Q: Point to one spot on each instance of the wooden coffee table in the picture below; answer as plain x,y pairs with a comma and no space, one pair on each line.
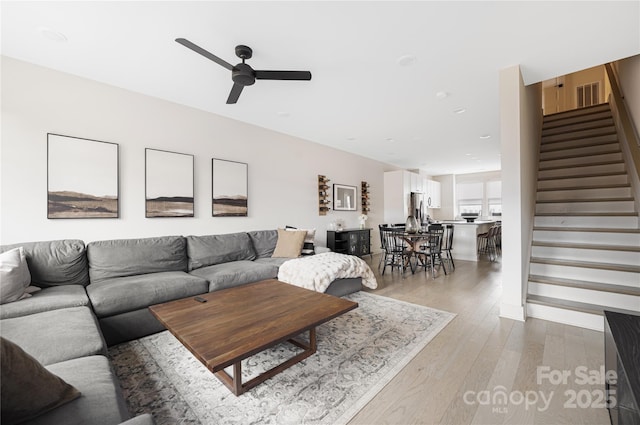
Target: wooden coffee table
236,323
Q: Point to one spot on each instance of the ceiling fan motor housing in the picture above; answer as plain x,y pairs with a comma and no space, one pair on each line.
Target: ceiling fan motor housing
243,74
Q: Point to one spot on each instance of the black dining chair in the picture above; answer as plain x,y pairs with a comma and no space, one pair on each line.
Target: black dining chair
431,253
447,245
396,254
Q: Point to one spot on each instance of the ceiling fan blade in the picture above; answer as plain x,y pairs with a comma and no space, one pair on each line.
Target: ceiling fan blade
283,75
186,43
235,93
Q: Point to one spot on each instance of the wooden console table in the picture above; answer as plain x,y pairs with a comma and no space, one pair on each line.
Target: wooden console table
350,241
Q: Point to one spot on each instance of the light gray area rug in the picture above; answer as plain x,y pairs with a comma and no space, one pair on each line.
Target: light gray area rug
358,354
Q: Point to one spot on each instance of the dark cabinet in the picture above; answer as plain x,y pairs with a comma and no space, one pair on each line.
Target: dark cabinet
350,241
622,356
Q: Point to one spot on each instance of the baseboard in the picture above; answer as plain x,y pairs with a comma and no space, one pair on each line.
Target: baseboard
514,312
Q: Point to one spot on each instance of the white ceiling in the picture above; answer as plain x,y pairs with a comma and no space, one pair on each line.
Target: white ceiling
359,99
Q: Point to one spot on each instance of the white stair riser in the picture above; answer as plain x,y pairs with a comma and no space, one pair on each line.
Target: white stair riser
579,182
576,119
613,277
585,125
579,171
609,299
581,160
577,135
598,238
607,222
578,254
568,317
588,141
581,150
586,207
560,195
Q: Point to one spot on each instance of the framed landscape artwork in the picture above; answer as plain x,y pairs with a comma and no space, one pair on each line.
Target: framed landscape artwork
82,178
229,188
344,197
168,184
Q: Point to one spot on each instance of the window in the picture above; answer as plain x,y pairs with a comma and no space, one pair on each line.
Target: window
483,198
494,198
588,95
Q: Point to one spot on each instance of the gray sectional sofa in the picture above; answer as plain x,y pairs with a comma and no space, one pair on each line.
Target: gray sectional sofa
98,295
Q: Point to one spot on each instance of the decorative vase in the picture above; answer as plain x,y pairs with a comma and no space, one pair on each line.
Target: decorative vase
411,226
362,224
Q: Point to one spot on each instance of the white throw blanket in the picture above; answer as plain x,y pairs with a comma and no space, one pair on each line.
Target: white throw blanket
316,272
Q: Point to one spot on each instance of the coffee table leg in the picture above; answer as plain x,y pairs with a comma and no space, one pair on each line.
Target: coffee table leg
235,383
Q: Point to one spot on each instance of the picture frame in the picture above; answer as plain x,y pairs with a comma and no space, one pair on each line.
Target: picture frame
344,197
229,188
169,182
82,178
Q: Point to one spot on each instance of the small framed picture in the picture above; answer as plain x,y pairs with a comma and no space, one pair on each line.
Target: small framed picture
344,197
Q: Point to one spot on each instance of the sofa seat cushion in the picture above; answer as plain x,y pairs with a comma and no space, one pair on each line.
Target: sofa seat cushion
264,242
100,402
275,261
56,335
51,263
236,273
124,294
52,298
209,250
129,257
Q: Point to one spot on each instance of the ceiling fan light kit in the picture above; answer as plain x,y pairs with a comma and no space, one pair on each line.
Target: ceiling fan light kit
242,74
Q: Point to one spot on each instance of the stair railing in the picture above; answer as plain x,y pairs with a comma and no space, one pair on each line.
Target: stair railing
626,132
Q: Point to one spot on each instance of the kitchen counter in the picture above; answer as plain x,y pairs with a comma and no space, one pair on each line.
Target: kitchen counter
465,237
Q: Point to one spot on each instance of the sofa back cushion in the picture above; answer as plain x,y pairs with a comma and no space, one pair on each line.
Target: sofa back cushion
54,263
208,250
128,257
264,242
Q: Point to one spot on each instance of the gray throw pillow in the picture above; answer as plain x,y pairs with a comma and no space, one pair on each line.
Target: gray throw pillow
14,275
27,389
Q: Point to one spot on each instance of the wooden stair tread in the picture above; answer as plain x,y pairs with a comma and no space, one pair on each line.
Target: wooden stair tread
582,134
574,305
587,264
587,144
575,112
584,155
587,229
577,119
593,186
579,245
590,164
583,125
594,286
564,201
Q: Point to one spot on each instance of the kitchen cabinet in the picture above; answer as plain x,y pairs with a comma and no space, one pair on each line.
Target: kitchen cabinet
432,192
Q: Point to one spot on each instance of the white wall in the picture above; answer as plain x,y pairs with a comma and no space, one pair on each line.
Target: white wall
520,126
282,169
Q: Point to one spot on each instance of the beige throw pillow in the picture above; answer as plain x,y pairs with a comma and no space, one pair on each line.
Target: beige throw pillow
289,243
14,275
28,389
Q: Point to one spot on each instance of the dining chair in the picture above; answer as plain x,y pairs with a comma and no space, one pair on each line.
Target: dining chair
447,245
431,254
396,254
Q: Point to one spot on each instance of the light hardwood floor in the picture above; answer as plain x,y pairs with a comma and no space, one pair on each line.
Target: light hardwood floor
480,356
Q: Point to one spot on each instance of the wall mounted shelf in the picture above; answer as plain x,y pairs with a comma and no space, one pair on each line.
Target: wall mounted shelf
323,194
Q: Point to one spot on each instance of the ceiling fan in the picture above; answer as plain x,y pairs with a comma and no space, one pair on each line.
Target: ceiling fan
242,74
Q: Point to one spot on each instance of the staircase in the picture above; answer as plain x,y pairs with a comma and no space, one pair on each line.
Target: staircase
585,254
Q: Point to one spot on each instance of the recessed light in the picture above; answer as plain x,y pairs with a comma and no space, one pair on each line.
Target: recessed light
485,136
442,94
459,111
390,139
52,35
283,114
351,139
406,60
